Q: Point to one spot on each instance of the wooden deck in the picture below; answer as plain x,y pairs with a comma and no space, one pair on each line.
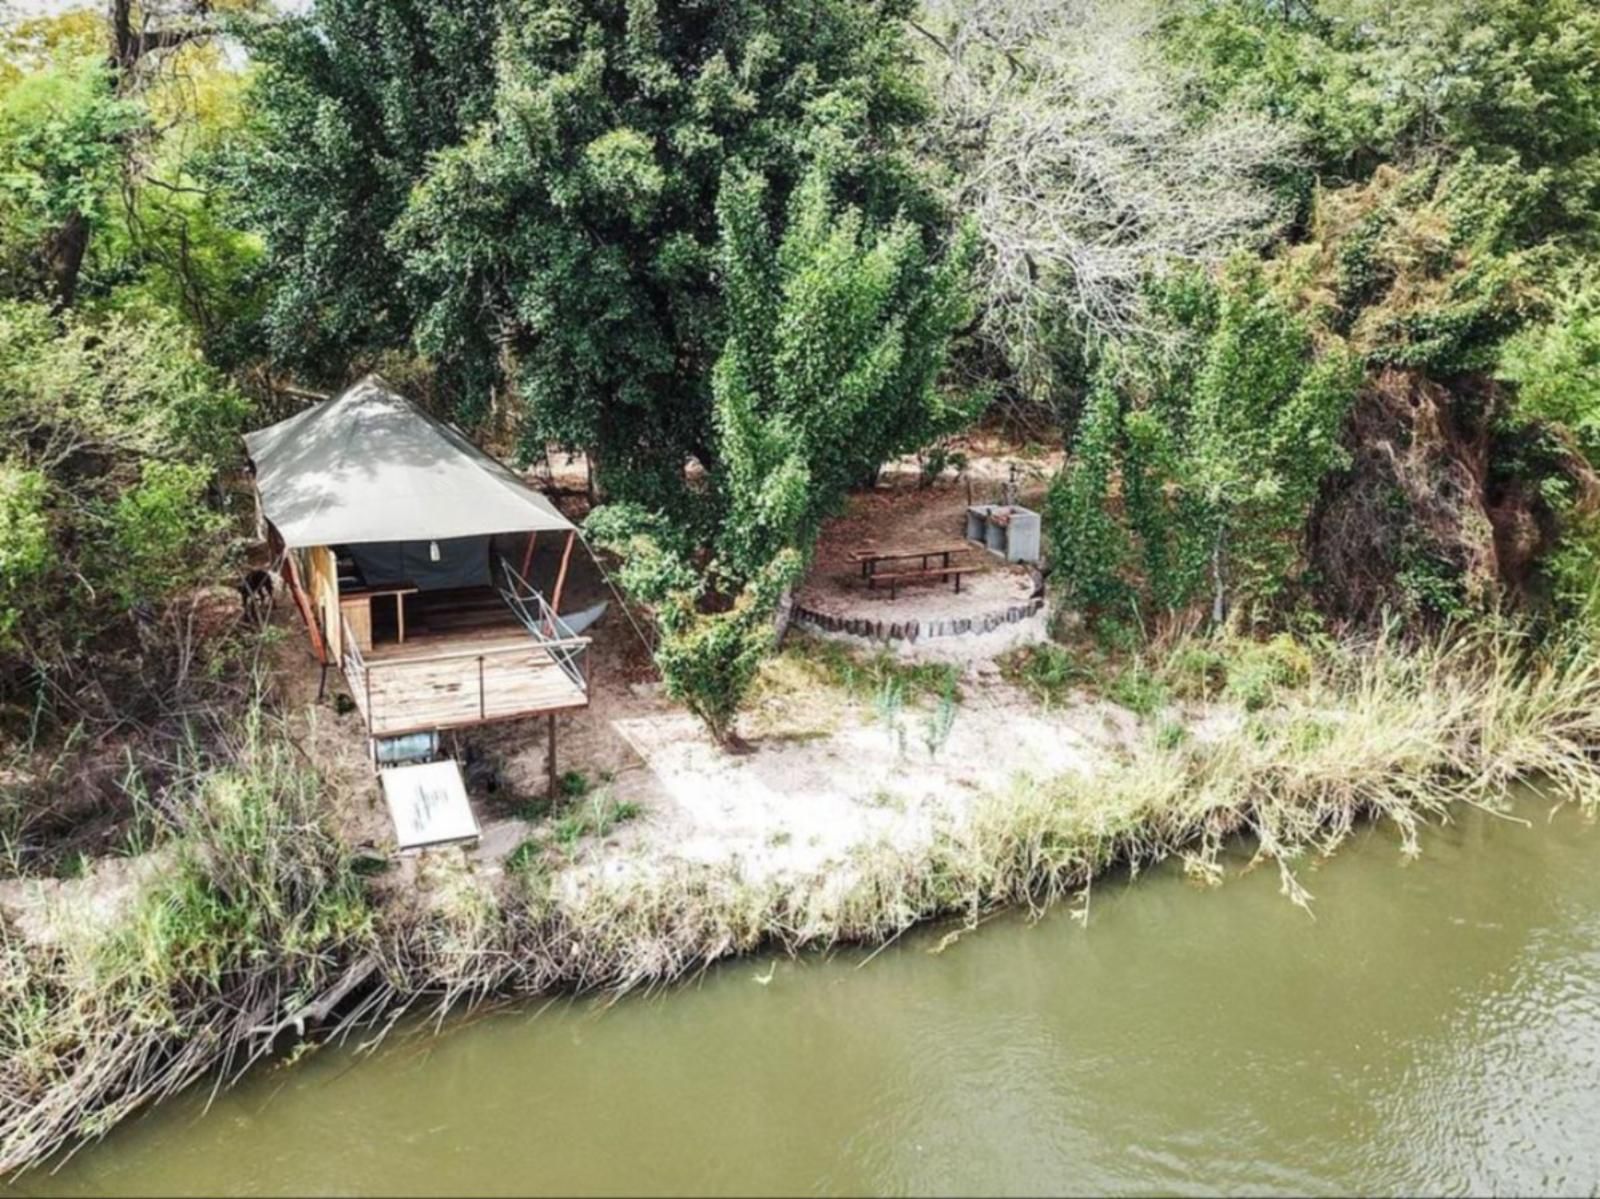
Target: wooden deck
464,677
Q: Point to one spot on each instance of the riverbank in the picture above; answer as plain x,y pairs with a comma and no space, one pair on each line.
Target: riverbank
270,923
1433,1031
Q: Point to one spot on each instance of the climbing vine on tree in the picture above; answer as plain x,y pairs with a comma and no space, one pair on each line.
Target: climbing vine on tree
837,331
1219,455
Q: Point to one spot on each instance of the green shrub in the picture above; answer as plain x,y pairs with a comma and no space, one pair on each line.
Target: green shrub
155,526
1138,688
112,433
1259,670
525,856
595,818
25,547
1047,670
1088,548
709,660
1197,669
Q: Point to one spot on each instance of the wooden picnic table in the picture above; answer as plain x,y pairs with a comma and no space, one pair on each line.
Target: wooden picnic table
870,558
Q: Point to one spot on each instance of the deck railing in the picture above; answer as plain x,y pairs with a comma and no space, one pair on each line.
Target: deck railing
355,666
543,623
480,689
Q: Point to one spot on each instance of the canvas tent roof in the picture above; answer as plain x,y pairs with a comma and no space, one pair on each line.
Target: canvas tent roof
369,465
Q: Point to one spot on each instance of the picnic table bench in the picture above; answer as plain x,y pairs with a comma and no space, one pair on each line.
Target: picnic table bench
870,560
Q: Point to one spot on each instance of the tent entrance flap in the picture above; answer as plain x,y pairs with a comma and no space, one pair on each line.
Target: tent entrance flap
442,565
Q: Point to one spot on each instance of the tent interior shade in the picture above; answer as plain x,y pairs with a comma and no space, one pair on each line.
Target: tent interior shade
370,466
453,562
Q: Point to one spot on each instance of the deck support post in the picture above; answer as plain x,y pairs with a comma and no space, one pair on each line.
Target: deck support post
550,757
527,554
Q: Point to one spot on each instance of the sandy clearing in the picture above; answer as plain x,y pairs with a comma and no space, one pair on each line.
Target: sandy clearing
796,805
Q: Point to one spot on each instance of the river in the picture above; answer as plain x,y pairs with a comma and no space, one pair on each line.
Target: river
1435,1027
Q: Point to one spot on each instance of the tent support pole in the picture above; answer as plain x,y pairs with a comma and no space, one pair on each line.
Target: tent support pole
527,555
300,601
561,576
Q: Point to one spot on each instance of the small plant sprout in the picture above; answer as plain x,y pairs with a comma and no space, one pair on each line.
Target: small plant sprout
889,703
524,856
937,724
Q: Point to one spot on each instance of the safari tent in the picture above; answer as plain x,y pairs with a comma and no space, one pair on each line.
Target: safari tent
406,549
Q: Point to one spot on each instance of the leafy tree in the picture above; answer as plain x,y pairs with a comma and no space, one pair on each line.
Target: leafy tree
73,120
99,204
1070,138
1422,269
346,107
1554,368
1262,431
169,247
1373,82
110,435
713,630
1089,547
1453,174
1221,452
61,135
836,336
527,193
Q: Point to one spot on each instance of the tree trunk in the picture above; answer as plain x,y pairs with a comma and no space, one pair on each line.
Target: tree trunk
64,259
782,614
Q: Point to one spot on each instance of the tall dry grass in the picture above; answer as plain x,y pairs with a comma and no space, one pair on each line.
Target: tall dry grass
256,911
1377,731
264,920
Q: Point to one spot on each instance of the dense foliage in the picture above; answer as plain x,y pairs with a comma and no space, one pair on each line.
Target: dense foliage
111,432
528,192
1306,291
114,429
1309,288
1221,450
836,337
1430,299
60,156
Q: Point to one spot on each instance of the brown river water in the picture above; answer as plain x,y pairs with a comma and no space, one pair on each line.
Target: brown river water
1435,1028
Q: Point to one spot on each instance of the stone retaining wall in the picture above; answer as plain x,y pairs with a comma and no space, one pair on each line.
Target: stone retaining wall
915,630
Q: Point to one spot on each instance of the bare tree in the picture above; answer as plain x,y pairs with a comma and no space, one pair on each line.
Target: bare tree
1072,148
142,32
